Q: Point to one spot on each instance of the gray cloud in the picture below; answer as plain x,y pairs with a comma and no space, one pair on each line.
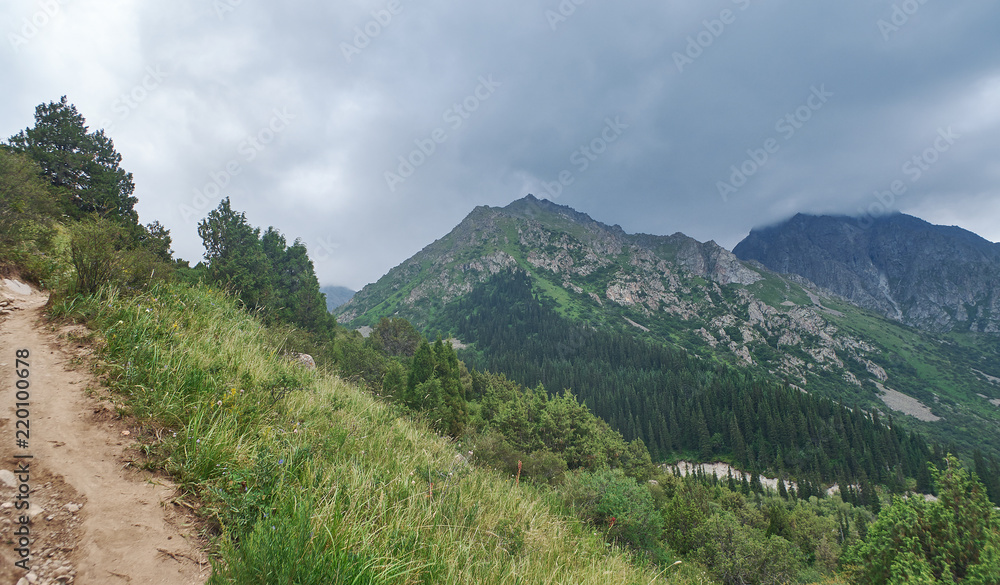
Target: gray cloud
314,102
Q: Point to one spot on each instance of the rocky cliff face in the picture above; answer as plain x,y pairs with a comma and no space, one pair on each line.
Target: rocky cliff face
662,283
698,296
932,277
581,253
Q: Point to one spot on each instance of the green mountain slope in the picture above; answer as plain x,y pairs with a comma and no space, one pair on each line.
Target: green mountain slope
697,296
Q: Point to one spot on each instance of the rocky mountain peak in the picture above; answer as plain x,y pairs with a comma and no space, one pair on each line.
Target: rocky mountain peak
933,277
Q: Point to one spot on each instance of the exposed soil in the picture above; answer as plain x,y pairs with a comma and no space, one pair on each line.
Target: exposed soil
95,517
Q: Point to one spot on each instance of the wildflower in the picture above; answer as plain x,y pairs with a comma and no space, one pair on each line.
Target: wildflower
281,461
197,441
219,403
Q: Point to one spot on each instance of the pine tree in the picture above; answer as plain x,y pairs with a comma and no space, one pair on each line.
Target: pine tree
453,413
421,370
235,256
82,165
297,298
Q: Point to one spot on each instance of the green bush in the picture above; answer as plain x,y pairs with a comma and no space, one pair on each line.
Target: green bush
616,503
105,253
27,211
740,555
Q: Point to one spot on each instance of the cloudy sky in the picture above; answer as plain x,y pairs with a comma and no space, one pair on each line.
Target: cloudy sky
370,128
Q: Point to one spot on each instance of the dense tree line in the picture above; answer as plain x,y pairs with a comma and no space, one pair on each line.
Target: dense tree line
263,270
679,404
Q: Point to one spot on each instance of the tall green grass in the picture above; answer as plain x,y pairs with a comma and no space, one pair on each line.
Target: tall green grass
310,480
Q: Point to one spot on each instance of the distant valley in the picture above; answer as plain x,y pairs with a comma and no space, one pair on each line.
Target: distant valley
336,296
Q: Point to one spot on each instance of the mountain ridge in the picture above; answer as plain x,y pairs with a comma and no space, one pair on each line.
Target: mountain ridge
937,278
704,299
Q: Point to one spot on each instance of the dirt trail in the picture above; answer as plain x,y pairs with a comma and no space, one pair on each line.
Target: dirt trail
95,518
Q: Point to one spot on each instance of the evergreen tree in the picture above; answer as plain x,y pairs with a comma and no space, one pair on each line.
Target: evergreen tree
82,165
156,238
396,336
952,540
421,370
235,256
394,381
297,298
453,413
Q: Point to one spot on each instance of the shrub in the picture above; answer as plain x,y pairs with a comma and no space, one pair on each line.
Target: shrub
740,555
104,253
612,501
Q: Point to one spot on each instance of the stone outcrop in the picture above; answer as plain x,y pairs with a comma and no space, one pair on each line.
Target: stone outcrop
932,277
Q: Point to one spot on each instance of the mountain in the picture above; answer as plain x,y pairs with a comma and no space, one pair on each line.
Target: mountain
928,276
336,296
676,292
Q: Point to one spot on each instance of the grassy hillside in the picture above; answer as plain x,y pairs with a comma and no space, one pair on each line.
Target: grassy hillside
308,479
